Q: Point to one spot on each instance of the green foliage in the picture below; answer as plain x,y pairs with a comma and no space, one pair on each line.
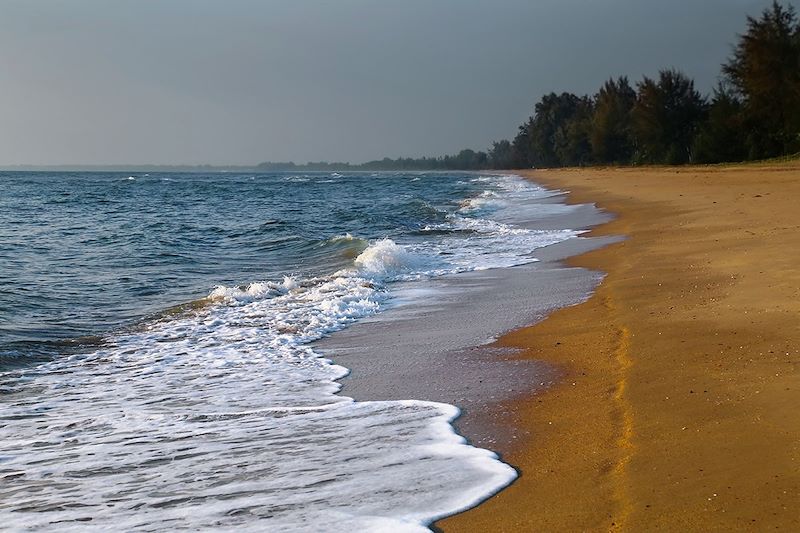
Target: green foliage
754,115
722,136
501,155
611,133
467,159
765,70
571,141
666,118
521,153
558,132
464,160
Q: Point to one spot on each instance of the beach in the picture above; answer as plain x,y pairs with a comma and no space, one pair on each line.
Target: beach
366,382
676,407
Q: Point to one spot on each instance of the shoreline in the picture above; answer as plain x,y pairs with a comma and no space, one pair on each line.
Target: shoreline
449,326
449,353
678,406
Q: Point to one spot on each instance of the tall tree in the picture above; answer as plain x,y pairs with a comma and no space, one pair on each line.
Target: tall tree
666,118
501,155
467,160
765,69
611,135
521,147
721,136
571,140
555,136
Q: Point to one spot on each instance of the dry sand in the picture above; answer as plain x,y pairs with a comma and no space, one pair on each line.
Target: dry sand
681,404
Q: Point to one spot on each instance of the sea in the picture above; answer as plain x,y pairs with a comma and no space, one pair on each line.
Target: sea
157,366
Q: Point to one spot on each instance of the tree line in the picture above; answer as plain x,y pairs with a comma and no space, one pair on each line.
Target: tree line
752,114
464,160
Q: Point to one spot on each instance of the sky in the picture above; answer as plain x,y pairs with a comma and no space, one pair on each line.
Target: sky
244,81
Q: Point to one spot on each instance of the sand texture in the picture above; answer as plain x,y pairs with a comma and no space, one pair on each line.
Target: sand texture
680,409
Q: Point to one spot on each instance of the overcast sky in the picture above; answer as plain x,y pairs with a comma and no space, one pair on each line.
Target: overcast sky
244,81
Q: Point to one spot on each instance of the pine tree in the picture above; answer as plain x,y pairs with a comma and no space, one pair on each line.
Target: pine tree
722,136
611,134
765,70
666,117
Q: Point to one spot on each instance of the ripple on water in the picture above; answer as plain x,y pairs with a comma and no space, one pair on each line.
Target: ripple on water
216,414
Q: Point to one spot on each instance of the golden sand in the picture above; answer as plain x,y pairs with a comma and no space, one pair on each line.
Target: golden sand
680,410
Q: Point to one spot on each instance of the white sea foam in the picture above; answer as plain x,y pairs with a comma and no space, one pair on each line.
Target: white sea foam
345,237
224,418
253,291
297,179
489,243
488,200
387,259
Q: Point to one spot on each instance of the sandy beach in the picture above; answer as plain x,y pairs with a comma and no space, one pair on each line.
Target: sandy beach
678,409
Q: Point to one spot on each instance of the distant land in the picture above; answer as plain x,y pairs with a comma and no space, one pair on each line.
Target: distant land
465,159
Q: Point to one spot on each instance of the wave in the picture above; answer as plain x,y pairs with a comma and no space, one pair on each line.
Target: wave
343,247
297,179
223,416
487,201
387,259
16,355
253,291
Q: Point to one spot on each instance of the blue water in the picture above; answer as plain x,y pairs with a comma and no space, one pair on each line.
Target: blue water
155,371
84,253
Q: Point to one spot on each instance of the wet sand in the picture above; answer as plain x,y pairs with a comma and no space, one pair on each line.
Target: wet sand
435,343
678,404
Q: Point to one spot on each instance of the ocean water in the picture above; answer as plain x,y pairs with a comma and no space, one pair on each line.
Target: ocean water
155,367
